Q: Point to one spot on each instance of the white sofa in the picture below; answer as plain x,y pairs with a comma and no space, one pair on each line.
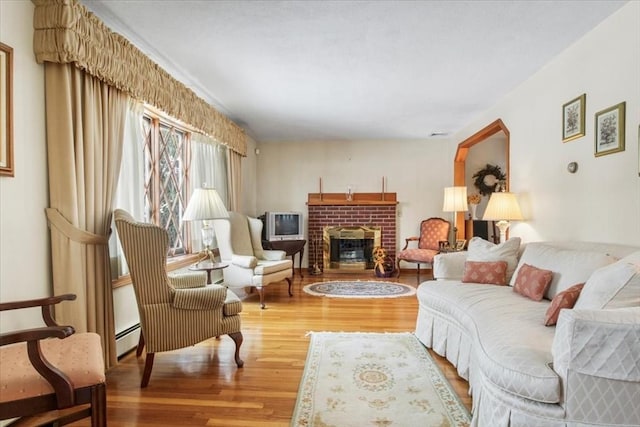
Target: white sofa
584,371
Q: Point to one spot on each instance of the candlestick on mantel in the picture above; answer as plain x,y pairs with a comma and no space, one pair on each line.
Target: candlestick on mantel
383,188
320,188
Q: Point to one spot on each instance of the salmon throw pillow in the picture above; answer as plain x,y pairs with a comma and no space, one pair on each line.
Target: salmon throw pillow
488,273
565,299
532,282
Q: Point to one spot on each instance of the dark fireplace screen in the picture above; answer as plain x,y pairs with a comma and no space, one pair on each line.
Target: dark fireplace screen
350,248
355,251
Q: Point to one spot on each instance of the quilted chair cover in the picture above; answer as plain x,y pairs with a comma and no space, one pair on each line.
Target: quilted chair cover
240,245
432,231
175,312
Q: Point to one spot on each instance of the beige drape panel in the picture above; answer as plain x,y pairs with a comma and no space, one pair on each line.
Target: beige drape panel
85,130
234,173
66,32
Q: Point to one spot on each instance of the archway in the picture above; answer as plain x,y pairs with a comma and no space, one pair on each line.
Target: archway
459,164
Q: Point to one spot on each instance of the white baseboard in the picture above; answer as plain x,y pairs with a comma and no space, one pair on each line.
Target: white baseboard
127,340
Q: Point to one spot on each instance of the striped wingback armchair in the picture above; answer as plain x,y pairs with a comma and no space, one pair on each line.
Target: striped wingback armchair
432,231
175,312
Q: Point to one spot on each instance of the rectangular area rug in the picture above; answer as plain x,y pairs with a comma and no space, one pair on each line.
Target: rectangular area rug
374,379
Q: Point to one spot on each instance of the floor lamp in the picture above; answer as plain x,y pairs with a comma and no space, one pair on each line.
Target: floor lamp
205,205
502,207
455,200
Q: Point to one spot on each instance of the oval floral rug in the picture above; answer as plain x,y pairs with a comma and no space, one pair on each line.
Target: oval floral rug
359,289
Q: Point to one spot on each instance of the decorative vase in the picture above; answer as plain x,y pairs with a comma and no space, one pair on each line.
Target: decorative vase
473,211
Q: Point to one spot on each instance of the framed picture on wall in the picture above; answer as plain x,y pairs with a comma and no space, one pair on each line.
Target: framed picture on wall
573,118
609,137
6,121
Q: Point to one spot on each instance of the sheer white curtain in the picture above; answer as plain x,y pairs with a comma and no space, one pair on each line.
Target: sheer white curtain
130,189
208,169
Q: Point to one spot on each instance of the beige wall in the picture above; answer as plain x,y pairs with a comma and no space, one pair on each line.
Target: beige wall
416,170
601,202
24,242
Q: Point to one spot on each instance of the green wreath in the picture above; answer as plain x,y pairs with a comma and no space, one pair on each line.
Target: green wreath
486,179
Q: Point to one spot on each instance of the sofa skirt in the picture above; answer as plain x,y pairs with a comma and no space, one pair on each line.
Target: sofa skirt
446,337
491,405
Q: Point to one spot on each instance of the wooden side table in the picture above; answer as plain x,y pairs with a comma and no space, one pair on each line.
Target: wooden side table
291,247
208,266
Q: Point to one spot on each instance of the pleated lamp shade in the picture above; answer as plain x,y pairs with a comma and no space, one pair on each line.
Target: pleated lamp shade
205,204
455,199
502,206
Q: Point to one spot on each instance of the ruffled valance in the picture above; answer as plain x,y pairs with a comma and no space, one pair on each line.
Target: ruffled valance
66,32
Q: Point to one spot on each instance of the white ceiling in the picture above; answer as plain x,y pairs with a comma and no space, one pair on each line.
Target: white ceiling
342,70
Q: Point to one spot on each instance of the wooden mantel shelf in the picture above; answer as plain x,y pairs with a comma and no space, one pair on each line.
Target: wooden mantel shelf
357,199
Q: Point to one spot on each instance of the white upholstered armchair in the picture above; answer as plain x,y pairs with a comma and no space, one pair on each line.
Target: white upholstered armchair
240,245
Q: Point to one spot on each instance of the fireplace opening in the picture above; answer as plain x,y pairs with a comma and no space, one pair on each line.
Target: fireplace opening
350,248
351,251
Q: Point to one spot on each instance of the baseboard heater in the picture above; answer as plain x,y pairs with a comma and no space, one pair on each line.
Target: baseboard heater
127,340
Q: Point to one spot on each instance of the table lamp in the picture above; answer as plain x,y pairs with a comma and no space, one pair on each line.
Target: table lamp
502,207
455,200
205,204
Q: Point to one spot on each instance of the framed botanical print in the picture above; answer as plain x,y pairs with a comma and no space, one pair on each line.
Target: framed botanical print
573,118
610,127
6,111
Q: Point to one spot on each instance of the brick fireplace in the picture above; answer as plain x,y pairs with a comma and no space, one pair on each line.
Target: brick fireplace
367,210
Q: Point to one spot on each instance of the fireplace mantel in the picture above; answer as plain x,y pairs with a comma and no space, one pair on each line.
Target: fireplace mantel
357,199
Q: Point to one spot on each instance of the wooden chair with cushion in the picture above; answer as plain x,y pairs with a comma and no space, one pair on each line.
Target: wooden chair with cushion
175,312
432,231
51,375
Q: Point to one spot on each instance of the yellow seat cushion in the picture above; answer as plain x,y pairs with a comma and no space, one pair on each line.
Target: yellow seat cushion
78,356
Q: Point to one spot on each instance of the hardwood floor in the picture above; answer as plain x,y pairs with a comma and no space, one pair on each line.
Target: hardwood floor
201,385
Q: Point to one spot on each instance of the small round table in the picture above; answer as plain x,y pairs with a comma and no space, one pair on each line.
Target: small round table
208,266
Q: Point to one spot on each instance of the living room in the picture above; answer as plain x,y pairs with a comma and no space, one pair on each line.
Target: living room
600,202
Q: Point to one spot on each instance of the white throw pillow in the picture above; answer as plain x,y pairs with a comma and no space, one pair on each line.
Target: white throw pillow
569,267
483,250
614,286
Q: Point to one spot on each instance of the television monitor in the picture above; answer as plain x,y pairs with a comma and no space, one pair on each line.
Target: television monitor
283,226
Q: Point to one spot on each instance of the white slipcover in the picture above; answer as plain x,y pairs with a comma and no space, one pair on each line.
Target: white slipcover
522,373
240,245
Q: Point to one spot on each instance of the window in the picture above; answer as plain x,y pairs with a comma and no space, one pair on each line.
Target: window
166,190
162,162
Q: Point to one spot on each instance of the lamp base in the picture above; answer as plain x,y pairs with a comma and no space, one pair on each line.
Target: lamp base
206,254
503,226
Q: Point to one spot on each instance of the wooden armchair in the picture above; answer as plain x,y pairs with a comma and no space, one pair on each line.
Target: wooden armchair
51,369
432,231
175,312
